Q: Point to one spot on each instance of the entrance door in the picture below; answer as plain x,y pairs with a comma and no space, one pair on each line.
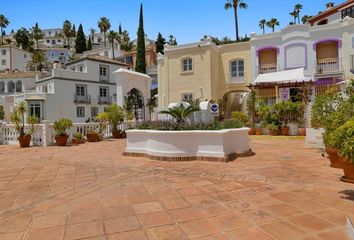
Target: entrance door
35,109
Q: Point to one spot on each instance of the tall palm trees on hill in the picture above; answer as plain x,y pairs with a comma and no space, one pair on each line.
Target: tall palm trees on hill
4,22
235,5
297,9
36,34
262,25
112,36
272,23
104,25
67,30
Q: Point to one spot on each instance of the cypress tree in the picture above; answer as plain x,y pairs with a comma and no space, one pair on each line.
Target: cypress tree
160,42
120,29
80,42
89,44
140,65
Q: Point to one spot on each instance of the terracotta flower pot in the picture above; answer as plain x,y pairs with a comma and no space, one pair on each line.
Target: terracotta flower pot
284,131
334,157
77,141
99,137
252,131
25,141
123,135
258,131
301,131
273,132
348,169
92,137
61,140
116,133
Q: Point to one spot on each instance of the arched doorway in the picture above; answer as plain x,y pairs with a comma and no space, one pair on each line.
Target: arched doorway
135,104
234,101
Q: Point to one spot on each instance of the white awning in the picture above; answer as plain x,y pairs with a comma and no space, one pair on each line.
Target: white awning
288,76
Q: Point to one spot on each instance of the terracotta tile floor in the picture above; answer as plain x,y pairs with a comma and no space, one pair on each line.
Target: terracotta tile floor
285,191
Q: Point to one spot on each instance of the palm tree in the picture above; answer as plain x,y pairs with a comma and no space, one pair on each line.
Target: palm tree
104,25
272,23
298,8
180,113
67,31
92,33
36,34
18,117
112,36
235,4
4,22
294,14
39,61
262,25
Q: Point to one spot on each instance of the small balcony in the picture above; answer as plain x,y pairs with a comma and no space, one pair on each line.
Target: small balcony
104,78
328,66
267,68
104,100
82,99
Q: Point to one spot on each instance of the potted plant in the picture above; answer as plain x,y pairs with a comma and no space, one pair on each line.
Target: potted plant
91,136
123,134
301,130
240,117
115,117
78,138
18,118
60,128
252,110
273,129
102,119
345,138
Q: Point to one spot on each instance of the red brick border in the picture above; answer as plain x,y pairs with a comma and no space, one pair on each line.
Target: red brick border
228,158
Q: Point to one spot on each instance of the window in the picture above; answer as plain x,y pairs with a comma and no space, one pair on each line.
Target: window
103,71
59,41
3,52
3,62
237,69
348,12
103,91
323,22
53,41
18,86
106,54
81,68
81,90
187,65
34,109
94,112
2,87
129,59
48,41
11,87
187,97
80,112
25,55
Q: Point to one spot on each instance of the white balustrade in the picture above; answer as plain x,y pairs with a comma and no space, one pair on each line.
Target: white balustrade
44,134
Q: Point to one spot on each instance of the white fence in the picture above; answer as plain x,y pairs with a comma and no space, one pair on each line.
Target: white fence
44,134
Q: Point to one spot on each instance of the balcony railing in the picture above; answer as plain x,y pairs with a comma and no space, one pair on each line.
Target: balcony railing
104,100
104,78
267,68
328,65
82,99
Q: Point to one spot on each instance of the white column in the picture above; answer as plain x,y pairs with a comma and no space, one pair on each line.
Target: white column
46,133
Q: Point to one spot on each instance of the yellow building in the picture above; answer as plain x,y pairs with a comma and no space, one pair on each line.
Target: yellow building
205,71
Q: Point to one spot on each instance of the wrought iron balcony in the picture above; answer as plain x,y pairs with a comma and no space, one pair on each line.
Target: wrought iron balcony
328,65
104,100
82,99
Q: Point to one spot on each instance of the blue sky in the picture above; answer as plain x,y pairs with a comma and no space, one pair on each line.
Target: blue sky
188,20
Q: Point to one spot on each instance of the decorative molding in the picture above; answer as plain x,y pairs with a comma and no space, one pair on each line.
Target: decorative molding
285,55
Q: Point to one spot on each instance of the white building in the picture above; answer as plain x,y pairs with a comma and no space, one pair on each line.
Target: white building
13,58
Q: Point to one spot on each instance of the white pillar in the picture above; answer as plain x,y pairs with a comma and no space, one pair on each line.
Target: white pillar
46,134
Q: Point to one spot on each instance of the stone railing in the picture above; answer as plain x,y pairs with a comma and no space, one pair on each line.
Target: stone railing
44,134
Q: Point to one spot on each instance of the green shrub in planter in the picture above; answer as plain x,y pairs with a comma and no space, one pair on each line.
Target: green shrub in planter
61,126
345,139
240,116
115,115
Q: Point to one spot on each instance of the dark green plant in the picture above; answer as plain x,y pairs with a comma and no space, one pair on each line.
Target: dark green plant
235,5
104,25
89,44
180,113
140,65
78,135
102,118
22,38
251,107
112,36
4,22
61,126
2,113
160,42
345,138
18,117
240,116
80,42
36,34
67,31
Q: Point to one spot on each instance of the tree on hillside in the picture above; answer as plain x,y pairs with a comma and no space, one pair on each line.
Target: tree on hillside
4,22
272,23
80,42
73,31
160,42
172,40
217,41
294,14
89,44
104,25
39,61
140,65
298,8
112,36
67,31
124,41
92,34
235,5
262,24
36,34
305,19
120,31
22,37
